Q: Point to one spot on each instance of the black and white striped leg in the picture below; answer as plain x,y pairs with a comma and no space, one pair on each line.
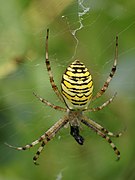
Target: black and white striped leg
39,151
43,139
113,70
49,135
49,104
103,135
103,105
54,86
104,130
28,146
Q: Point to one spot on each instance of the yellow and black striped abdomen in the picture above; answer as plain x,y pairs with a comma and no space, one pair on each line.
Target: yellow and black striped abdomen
77,86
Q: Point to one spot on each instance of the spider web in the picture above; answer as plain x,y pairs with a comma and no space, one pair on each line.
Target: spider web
24,119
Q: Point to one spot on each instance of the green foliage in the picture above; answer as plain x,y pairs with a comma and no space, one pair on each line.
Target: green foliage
23,27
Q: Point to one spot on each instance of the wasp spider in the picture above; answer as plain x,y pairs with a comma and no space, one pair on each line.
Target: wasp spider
76,94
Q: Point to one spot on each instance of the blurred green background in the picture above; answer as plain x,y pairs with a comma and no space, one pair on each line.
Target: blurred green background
23,118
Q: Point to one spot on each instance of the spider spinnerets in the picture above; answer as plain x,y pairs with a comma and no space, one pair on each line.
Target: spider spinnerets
76,94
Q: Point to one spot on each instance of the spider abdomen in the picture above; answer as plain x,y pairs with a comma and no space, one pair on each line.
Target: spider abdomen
77,86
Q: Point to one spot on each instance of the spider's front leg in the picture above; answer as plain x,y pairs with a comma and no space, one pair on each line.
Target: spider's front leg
109,78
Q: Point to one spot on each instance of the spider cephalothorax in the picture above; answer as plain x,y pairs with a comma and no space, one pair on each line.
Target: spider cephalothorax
76,94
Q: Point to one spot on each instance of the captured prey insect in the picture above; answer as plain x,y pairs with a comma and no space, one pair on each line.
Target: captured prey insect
76,94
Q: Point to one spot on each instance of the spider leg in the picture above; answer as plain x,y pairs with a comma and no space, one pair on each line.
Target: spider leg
49,104
104,130
36,156
103,105
49,135
113,70
87,122
54,86
28,146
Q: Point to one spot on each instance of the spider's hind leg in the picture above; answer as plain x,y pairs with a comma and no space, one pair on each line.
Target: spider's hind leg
103,134
75,133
